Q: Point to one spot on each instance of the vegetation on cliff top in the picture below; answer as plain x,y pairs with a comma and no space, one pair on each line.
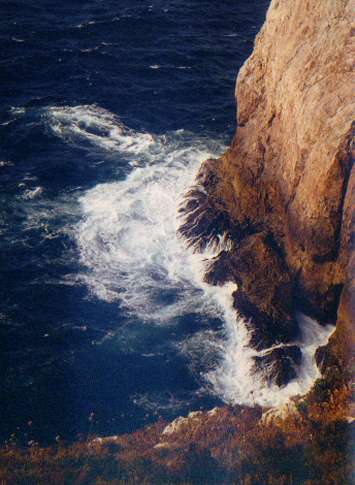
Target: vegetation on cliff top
309,445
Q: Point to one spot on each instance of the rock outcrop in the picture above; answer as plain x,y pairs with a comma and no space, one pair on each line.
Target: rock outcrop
281,198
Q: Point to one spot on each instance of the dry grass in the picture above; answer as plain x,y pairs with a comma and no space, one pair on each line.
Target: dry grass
230,445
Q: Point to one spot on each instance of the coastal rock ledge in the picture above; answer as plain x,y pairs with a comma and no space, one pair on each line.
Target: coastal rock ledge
283,193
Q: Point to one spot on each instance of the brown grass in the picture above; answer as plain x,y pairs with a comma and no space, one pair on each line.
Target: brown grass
231,446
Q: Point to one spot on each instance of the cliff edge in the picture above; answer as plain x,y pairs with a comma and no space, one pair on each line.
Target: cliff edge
283,194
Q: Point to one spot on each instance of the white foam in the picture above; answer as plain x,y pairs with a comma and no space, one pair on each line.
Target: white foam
128,243
86,24
17,111
33,194
128,236
99,127
234,380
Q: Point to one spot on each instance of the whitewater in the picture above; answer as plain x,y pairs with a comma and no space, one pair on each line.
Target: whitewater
131,253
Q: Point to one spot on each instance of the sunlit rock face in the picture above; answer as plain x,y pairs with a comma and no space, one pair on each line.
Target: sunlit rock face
279,201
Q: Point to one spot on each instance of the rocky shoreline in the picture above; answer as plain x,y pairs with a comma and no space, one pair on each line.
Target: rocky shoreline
281,198
279,207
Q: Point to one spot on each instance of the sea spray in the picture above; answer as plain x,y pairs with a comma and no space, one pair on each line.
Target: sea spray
79,125
128,241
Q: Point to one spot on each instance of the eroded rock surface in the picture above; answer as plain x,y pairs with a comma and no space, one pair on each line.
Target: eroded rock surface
282,195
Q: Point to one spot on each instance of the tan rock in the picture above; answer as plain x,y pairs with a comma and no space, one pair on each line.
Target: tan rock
175,426
289,155
286,177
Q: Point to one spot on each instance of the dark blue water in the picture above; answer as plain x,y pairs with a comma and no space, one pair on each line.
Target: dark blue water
71,72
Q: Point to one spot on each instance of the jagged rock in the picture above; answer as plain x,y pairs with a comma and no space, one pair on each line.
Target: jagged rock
324,359
264,330
279,365
203,220
203,213
178,423
265,293
214,412
284,192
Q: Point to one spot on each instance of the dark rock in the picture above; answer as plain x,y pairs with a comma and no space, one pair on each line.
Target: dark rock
203,219
264,330
280,365
325,359
321,307
219,270
284,192
265,297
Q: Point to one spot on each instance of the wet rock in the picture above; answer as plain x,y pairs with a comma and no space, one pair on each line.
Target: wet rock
202,219
324,359
283,194
204,216
220,269
280,365
265,331
265,294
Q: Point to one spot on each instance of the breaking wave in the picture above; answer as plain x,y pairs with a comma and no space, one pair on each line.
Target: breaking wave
90,123
129,246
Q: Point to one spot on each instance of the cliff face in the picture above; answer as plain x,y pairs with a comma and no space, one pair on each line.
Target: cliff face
283,192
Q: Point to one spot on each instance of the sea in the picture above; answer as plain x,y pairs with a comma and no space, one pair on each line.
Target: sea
107,109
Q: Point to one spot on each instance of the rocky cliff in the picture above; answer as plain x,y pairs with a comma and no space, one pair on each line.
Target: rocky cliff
283,194
280,203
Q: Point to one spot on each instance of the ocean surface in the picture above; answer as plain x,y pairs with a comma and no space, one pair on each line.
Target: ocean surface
107,110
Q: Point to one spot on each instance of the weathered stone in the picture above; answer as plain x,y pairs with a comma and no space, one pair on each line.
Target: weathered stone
283,192
288,166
